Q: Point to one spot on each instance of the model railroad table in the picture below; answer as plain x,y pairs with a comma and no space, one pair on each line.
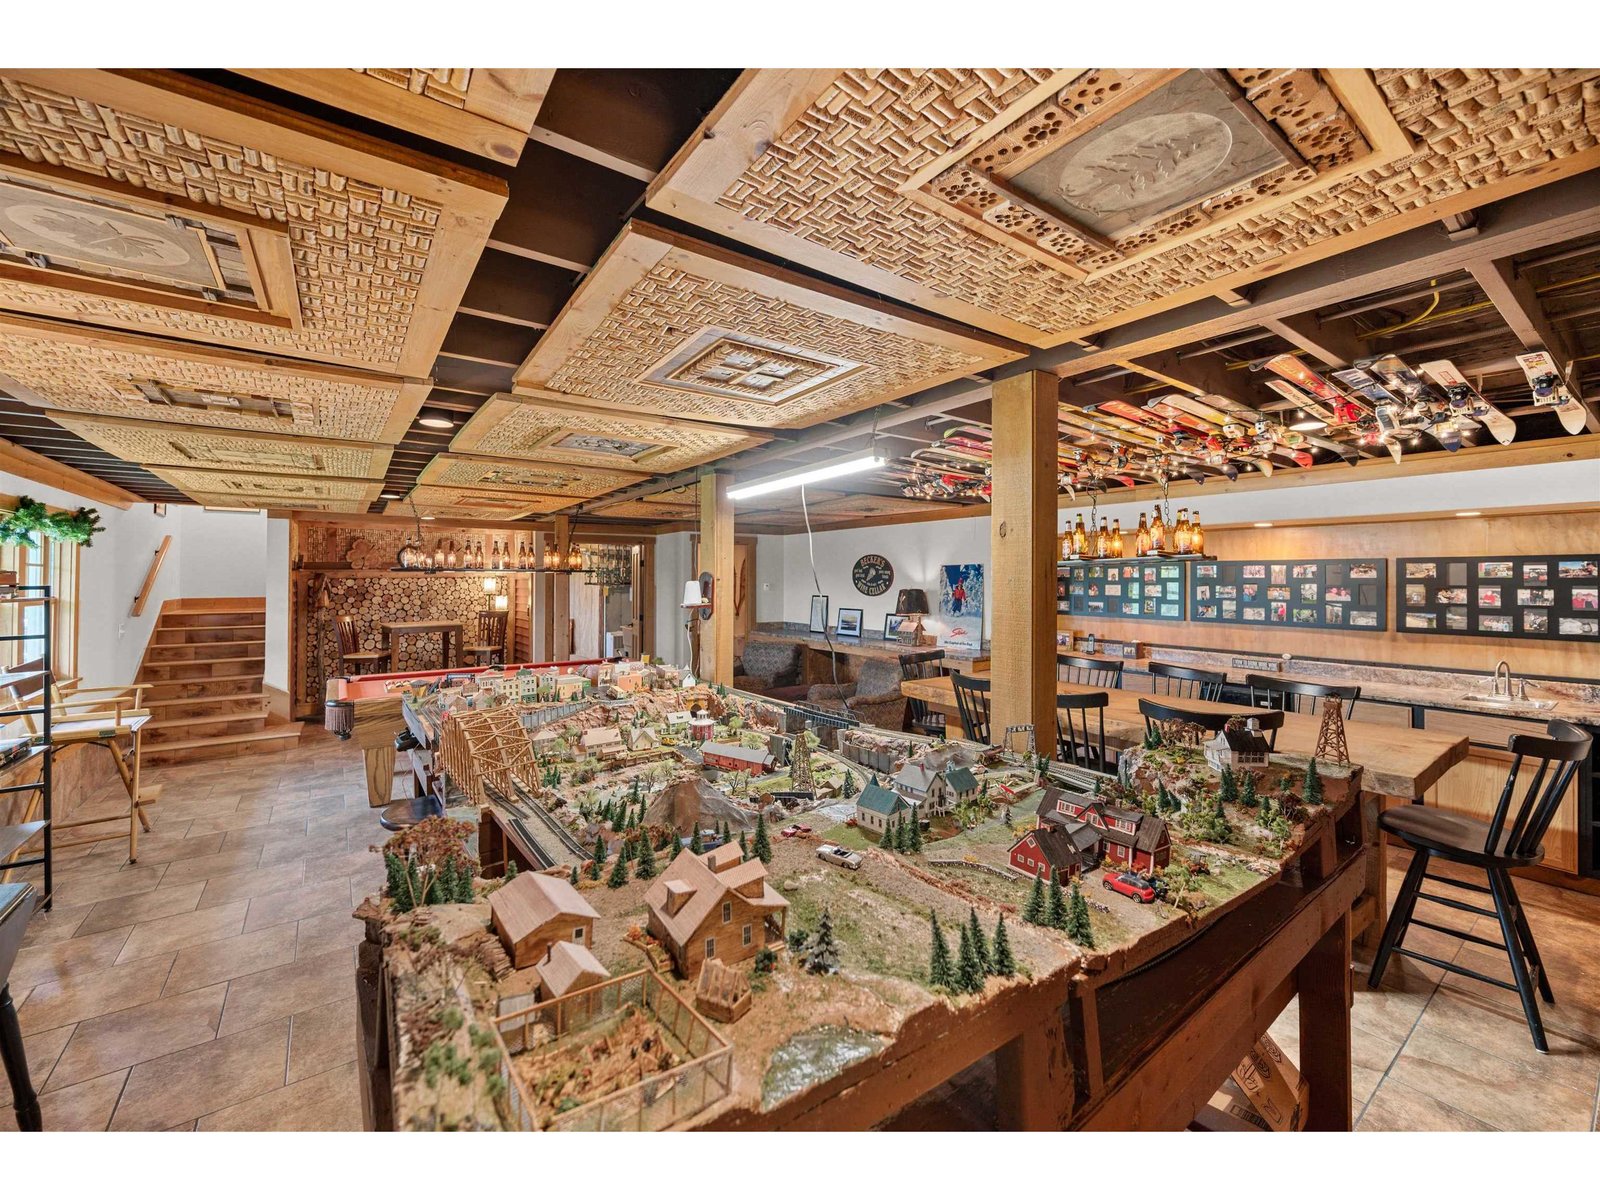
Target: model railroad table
449,635
1397,765
369,709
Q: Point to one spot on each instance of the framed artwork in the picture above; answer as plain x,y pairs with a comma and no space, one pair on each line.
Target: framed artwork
873,575
1131,591
892,624
819,614
1318,593
1547,596
961,591
849,623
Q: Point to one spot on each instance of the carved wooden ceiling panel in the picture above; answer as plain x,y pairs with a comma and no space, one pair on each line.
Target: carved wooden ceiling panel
488,111
524,427
501,475
269,490
438,500
325,244
679,504
151,443
1047,204
668,325
121,375
295,504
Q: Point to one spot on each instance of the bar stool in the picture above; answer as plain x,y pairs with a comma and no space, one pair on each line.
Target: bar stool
1494,849
490,645
1299,695
1091,672
353,660
1075,743
972,703
1190,683
924,664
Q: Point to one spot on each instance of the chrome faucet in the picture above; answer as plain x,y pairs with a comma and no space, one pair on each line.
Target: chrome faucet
1498,667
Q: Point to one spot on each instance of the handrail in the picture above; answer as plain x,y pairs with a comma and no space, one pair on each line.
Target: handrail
143,597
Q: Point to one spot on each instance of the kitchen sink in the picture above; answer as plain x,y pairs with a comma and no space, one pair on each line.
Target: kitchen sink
1504,701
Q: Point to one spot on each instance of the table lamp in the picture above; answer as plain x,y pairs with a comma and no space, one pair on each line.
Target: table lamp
912,602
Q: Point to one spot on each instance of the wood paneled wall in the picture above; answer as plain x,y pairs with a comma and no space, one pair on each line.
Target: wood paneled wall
1555,534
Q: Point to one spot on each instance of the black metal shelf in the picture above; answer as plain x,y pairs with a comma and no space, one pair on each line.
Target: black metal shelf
45,823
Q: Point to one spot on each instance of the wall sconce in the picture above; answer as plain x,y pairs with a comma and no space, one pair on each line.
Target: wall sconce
502,602
491,585
697,595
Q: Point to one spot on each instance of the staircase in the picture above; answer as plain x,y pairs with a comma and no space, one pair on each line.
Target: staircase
202,673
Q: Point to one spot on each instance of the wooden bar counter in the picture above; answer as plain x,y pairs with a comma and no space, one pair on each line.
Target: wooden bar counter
820,654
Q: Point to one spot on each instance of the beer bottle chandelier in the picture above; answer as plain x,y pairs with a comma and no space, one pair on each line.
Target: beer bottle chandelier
1161,537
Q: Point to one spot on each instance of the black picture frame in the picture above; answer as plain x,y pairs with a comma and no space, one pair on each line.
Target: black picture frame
1147,590
1543,597
1347,594
891,625
819,605
853,616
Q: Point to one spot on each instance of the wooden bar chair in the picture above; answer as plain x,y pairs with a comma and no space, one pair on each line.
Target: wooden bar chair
489,648
353,660
1076,742
1494,848
923,664
1189,683
1091,672
972,704
1299,695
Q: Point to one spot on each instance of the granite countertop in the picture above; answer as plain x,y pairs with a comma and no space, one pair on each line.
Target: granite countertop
1406,685
869,644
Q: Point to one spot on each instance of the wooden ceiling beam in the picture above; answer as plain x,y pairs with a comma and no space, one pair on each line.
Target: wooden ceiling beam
1330,344
567,224
18,460
1514,298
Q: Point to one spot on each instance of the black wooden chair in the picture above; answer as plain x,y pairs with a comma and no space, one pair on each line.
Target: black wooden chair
1189,683
1299,695
1269,720
972,703
1091,672
1076,742
353,660
923,664
1494,848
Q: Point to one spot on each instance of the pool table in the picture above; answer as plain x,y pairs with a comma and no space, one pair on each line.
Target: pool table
362,707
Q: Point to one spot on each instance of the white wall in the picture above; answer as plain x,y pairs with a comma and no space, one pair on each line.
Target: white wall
275,587
224,553
673,569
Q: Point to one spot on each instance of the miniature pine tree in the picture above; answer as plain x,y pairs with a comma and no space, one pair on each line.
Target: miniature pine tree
902,834
941,973
822,955
1055,913
1311,793
1165,800
1004,964
395,871
599,857
1152,738
914,838
645,860
1077,926
762,847
436,892
1033,911
1247,793
744,847
969,970
573,878
511,870
696,846
619,873
617,822
633,820
848,788
980,944
1228,788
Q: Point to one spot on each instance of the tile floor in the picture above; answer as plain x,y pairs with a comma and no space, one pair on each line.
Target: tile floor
212,986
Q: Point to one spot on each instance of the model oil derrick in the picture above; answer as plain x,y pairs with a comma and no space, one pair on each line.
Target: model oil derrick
1331,745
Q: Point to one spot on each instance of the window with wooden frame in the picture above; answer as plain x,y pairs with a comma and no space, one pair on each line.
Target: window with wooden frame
56,563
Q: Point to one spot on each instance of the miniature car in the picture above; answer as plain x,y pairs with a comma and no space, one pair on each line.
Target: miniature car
794,830
839,856
1125,884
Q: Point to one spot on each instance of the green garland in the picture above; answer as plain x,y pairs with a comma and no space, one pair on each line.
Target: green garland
32,517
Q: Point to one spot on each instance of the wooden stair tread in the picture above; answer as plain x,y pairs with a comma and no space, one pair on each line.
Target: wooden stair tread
260,641
271,733
163,701
213,612
15,837
208,719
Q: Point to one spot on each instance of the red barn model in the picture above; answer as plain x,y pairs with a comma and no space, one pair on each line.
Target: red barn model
1130,837
731,756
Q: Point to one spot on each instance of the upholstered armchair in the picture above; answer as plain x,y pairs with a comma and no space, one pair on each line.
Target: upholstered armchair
873,699
765,667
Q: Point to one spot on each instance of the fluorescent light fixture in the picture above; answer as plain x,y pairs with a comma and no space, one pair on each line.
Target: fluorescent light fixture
427,518
1309,425
793,479
1470,513
388,495
1263,524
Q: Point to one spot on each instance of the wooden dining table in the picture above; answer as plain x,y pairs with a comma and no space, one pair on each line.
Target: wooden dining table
450,634
1398,765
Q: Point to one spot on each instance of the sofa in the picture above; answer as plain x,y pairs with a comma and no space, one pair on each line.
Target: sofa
770,669
873,699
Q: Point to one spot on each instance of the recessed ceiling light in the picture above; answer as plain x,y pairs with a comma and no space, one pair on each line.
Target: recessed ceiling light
388,495
1470,513
435,421
1309,425
428,518
1263,524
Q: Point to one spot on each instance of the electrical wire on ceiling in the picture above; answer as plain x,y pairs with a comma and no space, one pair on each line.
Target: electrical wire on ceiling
816,581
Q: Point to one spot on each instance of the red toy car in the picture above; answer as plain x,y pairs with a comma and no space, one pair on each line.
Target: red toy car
1139,888
793,830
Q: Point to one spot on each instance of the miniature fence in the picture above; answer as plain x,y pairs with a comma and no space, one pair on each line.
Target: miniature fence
655,1102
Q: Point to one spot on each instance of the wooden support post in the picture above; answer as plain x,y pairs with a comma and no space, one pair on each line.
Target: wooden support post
1033,1079
716,556
1022,556
561,596
1323,981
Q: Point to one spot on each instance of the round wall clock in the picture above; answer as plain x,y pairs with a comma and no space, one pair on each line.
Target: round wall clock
872,575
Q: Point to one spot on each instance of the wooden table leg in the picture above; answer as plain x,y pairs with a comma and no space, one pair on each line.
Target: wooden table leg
1323,982
1033,1079
1374,902
380,774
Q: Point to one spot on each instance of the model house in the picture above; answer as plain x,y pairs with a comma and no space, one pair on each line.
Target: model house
935,783
1060,851
1129,837
534,911
877,806
734,756
714,905
568,967
1239,745
640,738
701,727
603,742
